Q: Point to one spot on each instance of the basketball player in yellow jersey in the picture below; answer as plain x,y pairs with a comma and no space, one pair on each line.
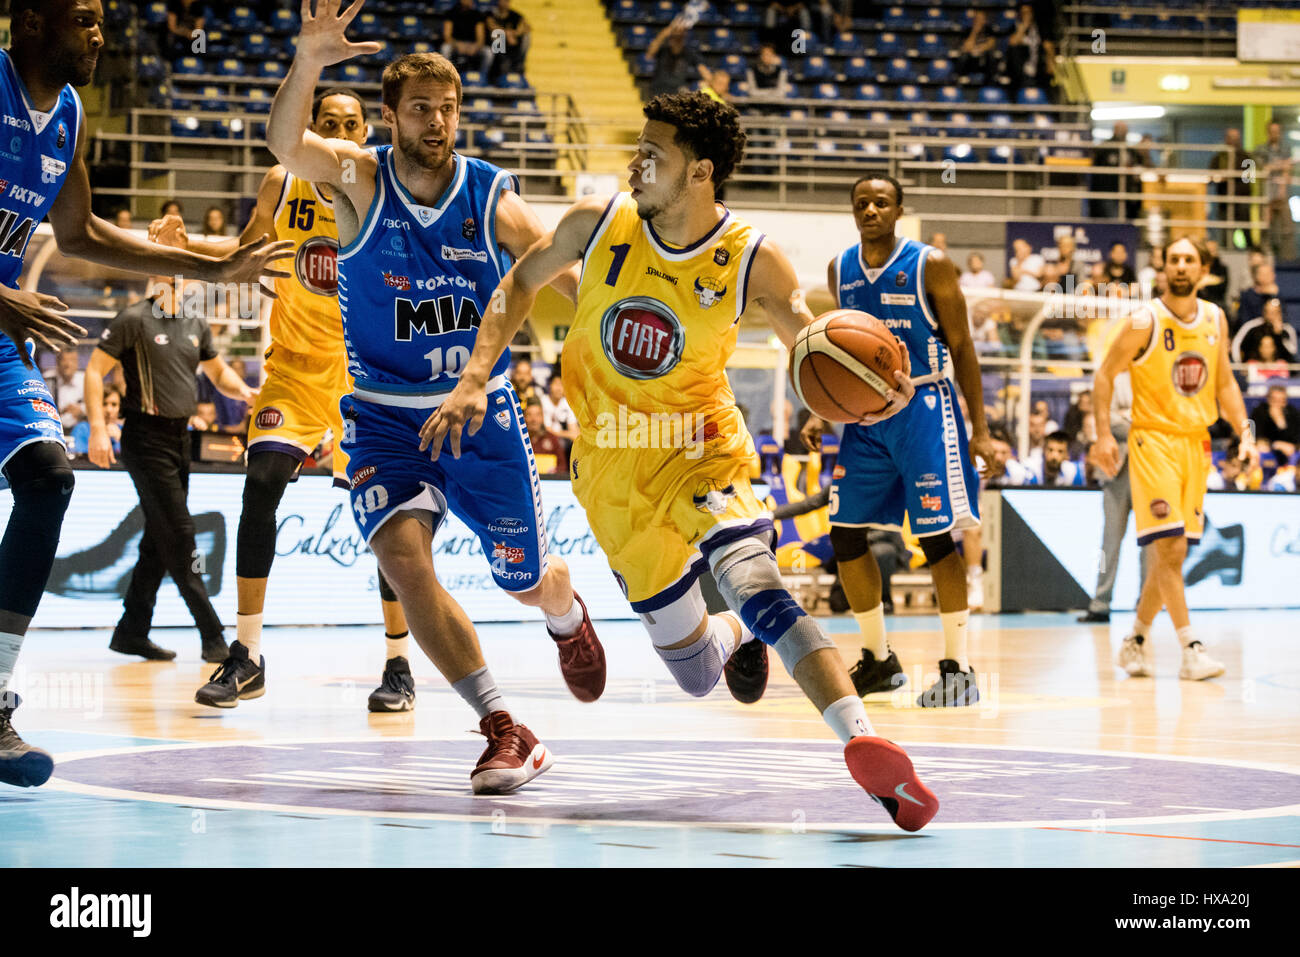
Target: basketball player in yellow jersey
1176,353
662,462
306,375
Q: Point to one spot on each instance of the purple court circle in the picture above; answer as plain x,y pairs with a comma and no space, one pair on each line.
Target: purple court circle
744,783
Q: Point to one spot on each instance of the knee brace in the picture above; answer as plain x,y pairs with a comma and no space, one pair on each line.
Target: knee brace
750,581
42,484
386,592
848,543
696,667
937,547
268,474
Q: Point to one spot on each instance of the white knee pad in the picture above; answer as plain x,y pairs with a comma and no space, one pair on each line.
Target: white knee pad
673,622
696,667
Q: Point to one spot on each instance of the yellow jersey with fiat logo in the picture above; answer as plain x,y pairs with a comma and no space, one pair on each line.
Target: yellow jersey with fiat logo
1175,379
305,318
654,329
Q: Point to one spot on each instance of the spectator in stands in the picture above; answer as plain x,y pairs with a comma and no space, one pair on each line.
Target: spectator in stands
767,76
1264,288
67,385
1074,419
939,241
509,34
1052,279
171,207
204,418
1277,424
718,86
1005,470
1214,283
1055,468
122,219
1040,426
978,54
1229,182
1118,269
183,18
521,377
1068,263
1267,364
548,448
976,275
1234,475
556,412
1274,159
826,20
1025,62
1245,345
1025,270
1113,155
676,65
1093,284
464,38
214,223
780,21
80,437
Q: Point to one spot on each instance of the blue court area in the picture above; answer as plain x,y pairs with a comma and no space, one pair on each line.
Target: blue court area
1065,763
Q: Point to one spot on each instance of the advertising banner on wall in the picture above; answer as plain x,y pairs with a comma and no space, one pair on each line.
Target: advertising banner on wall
1249,556
323,572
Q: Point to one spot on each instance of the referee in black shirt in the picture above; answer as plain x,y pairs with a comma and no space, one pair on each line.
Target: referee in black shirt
159,353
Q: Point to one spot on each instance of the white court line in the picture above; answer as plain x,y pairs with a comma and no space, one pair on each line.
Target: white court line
369,754
1194,807
1087,801
987,794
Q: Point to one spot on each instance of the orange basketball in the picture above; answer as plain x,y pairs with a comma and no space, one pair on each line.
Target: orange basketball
842,363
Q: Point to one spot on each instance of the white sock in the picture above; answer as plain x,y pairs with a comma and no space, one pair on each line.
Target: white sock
847,718
248,632
1185,636
9,646
1141,628
745,634
954,625
974,573
397,646
566,624
872,625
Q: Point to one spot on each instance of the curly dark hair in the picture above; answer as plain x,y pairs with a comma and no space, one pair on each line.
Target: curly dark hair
704,127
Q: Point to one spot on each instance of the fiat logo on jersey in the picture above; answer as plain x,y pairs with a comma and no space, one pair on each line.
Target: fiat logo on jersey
317,265
642,337
1190,372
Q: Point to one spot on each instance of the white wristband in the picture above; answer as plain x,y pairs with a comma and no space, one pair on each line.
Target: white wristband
1248,432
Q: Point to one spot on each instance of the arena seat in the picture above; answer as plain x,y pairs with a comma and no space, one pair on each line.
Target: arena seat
859,68
284,21
272,68
230,67
889,45
813,68
1031,96
154,14
992,95
931,45
412,28
189,66
939,71
950,94
909,93
900,70
243,19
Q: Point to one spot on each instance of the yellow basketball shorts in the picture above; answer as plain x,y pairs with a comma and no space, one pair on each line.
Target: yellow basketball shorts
298,404
658,520
1167,472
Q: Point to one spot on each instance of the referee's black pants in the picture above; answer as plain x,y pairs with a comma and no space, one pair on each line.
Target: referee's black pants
156,453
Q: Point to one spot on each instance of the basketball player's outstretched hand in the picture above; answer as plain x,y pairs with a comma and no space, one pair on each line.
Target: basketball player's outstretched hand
169,231
251,261
323,38
1105,454
896,400
34,315
465,405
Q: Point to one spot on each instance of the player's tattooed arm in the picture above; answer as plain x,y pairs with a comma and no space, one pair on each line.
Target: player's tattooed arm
1231,405
506,311
944,293
1126,347
518,227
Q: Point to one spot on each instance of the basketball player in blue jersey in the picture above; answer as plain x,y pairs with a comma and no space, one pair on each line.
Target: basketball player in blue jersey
425,235
917,462
55,46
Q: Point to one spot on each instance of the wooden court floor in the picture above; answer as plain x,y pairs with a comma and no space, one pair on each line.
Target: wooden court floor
1065,762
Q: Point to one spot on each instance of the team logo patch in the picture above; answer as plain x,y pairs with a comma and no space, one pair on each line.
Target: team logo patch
709,291
44,408
901,279
707,432
1160,508
931,503
456,254
398,243
1190,373
270,418
721,256
931,402
622,583
642,337
838,472
16,144
469,230
503,419
508,553
4,185
316,265
711,497
364,475
400,283
62,139
161,339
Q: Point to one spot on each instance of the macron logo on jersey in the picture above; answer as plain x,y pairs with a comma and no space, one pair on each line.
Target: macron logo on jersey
434,316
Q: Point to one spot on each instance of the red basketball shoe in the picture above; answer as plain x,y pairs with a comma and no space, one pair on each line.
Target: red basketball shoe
885,772
582,659
513,756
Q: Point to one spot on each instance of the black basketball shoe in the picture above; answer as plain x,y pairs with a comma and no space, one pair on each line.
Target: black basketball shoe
237,678
954,689
20,764
870,675
746,671
396,691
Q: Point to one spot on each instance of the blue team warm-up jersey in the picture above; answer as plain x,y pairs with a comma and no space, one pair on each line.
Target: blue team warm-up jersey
36,151
413,288
917,462
414,284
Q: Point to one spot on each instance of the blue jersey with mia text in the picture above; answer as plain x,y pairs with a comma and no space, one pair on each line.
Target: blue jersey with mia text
895,294
416,282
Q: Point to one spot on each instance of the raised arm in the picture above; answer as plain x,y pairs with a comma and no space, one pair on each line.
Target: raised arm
944,293
341,164
510,304
518,227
